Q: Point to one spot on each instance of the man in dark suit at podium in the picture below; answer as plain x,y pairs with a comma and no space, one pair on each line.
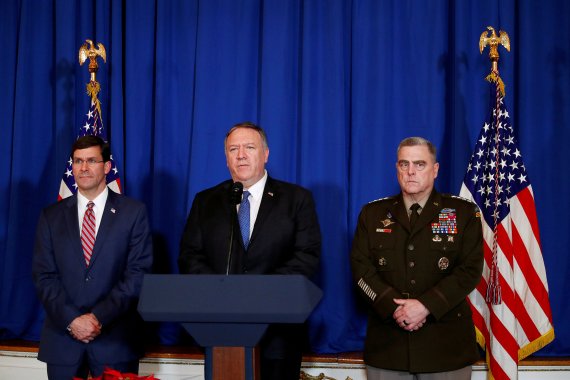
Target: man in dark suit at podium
275,231
91,253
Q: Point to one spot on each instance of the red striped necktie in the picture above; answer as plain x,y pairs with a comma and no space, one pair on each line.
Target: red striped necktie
88,232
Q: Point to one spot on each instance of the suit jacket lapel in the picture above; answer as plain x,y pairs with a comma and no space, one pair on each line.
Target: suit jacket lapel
268,201
72,222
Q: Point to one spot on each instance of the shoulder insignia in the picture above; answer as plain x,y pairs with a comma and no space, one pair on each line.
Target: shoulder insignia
459,198
382,199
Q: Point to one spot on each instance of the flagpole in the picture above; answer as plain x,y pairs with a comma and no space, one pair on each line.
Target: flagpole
510,306
494,293
87,50
494,41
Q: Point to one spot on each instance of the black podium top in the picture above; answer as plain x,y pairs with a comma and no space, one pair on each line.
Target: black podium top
228,299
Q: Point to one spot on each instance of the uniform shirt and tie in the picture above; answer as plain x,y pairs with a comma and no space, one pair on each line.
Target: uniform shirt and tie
410,205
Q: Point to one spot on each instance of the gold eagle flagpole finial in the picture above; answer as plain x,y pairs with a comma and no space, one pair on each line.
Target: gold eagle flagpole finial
87,50
493,41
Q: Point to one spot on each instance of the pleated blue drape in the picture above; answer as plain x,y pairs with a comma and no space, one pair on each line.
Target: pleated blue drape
336,84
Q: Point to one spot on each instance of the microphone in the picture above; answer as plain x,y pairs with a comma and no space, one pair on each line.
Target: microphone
236,192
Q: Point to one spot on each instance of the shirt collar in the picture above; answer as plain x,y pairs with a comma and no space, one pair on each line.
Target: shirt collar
256,190
422,202
99,201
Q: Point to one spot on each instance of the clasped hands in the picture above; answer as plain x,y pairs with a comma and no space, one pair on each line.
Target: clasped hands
410,314
85,328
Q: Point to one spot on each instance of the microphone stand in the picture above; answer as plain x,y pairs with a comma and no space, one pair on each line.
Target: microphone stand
233,223
236,192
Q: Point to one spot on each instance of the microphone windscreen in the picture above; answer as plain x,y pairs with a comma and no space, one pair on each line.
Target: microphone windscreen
236,192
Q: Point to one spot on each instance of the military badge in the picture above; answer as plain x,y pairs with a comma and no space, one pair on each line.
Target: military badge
436,238
387,222
450,239
385,230
443,263
447,222
382,261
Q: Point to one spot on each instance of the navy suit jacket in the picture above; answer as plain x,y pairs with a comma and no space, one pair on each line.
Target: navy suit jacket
109,287
286,237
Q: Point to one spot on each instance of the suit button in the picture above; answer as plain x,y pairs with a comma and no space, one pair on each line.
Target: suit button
411,247
412,264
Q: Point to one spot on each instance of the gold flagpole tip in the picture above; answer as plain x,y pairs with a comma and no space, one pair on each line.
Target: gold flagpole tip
87,50
493,41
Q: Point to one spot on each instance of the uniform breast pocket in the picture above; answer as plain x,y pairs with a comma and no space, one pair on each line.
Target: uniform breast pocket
443,254
383,252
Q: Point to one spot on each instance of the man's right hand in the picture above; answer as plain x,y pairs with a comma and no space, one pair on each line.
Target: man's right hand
85,328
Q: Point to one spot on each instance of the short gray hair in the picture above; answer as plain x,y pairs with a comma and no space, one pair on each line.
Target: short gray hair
416,141
248,125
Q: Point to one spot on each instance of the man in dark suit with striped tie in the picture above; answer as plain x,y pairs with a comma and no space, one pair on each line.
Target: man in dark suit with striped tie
91,252
275,232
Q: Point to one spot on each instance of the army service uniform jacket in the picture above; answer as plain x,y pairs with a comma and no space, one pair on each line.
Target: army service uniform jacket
439,263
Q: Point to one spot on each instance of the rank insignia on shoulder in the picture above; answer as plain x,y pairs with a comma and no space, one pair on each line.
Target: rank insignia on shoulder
460,198
380,199
478,214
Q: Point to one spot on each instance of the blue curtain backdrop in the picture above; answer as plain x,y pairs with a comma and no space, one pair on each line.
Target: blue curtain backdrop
336,84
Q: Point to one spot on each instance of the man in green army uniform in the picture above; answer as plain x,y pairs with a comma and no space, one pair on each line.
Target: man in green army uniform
415,258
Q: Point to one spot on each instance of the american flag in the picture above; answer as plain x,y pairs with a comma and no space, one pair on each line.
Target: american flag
511,310
92,125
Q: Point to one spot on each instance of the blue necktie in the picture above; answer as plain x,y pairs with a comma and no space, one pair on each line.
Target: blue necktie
243,218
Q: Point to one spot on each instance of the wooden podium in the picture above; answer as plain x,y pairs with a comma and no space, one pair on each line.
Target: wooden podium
228,314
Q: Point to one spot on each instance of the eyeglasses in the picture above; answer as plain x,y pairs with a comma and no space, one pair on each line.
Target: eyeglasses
90,162
418,165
